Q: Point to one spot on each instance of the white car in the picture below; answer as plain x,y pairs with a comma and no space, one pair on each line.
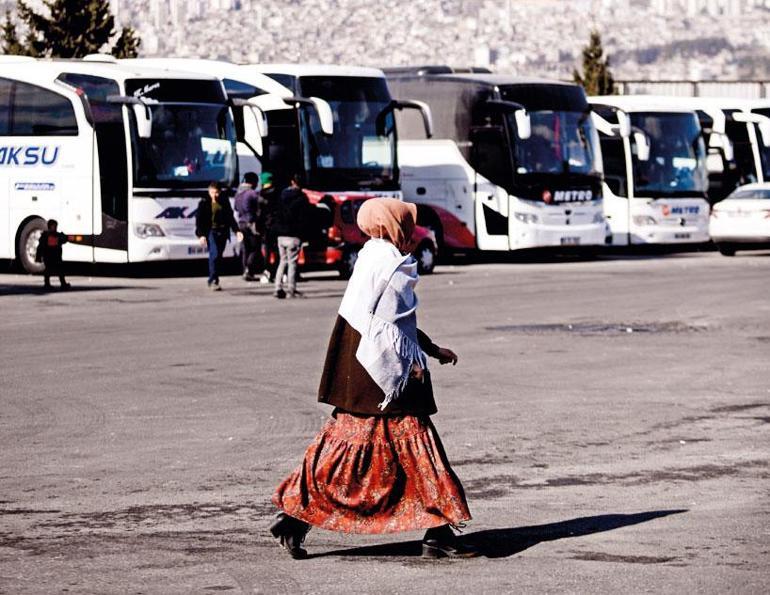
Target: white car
742,220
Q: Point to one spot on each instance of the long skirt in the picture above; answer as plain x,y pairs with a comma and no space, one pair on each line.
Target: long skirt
374,475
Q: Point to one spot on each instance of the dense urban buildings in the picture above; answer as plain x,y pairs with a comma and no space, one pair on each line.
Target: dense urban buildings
646,39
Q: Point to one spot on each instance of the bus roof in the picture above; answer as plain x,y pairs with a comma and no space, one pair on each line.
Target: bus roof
46,70
217,68
300,70
714,103
482,78
641,103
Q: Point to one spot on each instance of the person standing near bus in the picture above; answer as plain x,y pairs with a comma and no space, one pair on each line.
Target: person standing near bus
290,219
49,253
248,207
378,465
269,201
214,220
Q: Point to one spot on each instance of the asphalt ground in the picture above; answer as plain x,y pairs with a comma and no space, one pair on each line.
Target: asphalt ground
609,420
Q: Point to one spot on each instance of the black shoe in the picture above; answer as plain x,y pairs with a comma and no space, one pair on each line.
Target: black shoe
296,294
443,543
65,286
279,293
290,533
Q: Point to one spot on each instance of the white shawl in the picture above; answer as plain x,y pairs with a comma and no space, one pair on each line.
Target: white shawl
381,305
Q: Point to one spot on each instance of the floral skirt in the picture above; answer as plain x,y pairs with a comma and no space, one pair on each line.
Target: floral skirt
374,475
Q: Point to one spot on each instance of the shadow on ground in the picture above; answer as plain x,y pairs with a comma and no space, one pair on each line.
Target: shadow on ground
6,290
501,543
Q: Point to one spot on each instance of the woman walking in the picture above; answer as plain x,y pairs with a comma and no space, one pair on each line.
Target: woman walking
378,465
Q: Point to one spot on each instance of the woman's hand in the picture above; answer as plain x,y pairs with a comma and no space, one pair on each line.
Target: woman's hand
417,372
445,356
202,241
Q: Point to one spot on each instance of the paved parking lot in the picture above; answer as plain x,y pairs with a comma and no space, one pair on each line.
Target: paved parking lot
608,418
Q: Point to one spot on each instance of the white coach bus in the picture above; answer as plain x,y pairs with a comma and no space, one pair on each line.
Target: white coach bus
515,162
737,134
118,154
655,178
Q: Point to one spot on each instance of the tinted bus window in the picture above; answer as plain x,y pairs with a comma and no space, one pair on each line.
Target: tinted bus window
39,112
6,87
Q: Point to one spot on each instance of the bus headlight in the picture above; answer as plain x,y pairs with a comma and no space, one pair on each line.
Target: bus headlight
148,230
599,217
526,217
644,220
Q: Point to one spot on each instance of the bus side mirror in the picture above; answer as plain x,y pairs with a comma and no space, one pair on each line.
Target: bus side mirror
523,124
723,144
624,124
422,107
325,117
143,120
642,146
254,128
764,131
762,122
322,109
141,110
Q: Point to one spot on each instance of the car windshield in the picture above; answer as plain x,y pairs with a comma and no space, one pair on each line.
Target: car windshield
190,144
754,193
561,142
361,151
675,163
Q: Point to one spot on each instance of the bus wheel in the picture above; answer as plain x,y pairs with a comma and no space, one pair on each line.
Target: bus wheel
26,248
349,258
726,250
425,254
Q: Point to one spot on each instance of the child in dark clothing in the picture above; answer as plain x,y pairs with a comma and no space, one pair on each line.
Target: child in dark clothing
49,253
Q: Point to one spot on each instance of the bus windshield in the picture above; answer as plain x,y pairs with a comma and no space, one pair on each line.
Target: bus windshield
676,164
191,144
362,151
561,142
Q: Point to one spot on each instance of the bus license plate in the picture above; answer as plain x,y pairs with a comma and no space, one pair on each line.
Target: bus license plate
681,236
196,250
570,241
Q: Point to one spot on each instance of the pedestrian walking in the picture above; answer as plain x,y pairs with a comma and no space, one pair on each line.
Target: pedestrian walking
248,203
214,220
378,465
270,243
49,253
290,220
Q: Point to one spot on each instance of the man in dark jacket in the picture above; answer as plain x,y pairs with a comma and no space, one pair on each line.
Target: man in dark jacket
248,206
213,221
289,221
49,253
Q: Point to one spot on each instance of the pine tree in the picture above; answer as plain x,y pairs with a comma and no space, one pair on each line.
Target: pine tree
127,45
11,44
596,78
73,29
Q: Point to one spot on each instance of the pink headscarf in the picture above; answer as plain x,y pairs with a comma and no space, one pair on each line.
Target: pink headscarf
390,219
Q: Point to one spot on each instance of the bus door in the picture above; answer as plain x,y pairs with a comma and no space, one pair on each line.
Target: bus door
491,160
109,241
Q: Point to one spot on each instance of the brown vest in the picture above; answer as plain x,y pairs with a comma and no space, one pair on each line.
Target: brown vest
347,385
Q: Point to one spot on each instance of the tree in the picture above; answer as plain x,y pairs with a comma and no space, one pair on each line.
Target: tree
11,44
73,29
127,45
596,78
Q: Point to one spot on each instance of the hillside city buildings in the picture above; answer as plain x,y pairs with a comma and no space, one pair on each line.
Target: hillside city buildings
646,39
